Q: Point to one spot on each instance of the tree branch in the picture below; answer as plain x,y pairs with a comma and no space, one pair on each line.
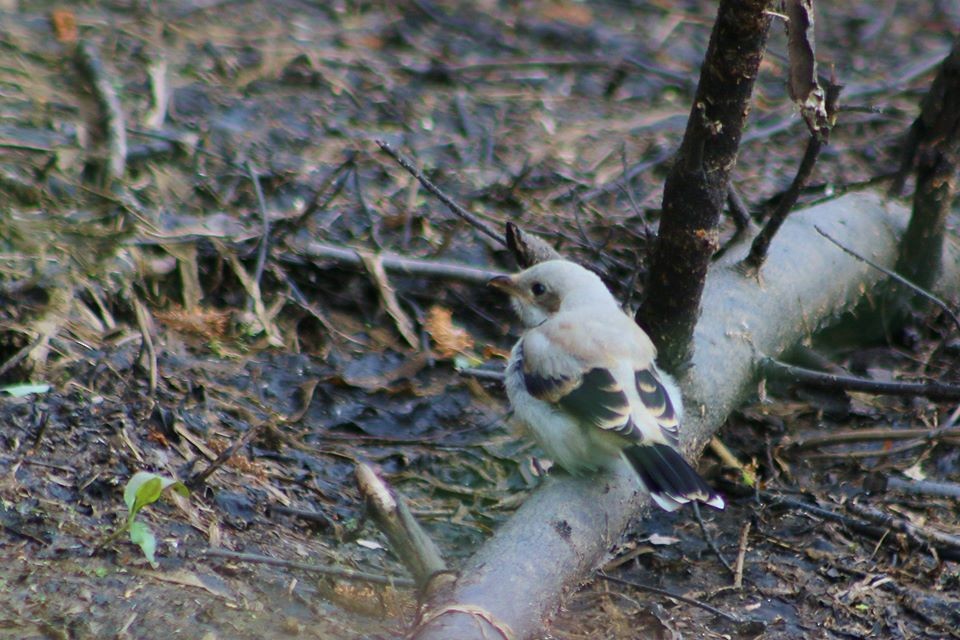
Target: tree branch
934,140
696,187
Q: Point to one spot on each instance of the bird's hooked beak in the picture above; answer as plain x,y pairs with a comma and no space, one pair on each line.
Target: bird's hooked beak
504,283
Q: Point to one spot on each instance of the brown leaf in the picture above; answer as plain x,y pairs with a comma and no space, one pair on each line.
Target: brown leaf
207,323
407,369
64,25
575,14
449,339
803,86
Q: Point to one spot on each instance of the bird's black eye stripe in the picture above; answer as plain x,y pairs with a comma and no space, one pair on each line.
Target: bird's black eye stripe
538,289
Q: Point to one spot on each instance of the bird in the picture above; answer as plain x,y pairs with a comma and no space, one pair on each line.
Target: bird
583,379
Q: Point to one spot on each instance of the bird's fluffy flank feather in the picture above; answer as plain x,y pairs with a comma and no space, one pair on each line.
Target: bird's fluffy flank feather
541,386
593,396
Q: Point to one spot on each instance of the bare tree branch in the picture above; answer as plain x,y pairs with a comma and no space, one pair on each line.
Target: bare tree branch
696,187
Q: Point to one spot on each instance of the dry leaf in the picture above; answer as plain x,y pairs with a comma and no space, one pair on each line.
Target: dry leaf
408,369
64,25
574,14
207,323
389,297
183,577
803,85
449,339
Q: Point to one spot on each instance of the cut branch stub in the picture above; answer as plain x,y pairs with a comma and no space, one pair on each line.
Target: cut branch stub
528,249
409,542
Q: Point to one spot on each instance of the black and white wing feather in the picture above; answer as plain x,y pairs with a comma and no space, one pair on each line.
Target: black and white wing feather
657,400
592,395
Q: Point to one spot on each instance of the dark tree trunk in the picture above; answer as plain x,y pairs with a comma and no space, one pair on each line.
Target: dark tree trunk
934,139
697,184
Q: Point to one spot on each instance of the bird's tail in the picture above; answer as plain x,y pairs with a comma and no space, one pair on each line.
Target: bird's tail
670,479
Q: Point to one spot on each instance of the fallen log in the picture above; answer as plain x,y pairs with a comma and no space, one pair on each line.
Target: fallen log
567,527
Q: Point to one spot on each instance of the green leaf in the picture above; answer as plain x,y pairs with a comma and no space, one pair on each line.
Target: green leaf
142,489
463,361
146,488
141,535
25,389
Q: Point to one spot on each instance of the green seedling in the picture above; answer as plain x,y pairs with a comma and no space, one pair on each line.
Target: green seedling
145,488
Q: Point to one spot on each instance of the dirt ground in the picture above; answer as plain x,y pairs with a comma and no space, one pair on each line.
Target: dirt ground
169,330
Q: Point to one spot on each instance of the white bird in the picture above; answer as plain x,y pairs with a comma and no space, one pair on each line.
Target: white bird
582,378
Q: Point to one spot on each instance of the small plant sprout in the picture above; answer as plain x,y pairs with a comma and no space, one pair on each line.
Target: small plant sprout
146,488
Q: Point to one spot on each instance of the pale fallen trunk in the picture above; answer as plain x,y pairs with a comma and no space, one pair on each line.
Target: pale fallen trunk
567,527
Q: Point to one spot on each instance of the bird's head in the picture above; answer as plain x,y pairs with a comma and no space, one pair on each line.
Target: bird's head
547,288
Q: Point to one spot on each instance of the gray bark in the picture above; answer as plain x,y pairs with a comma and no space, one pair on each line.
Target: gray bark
567,527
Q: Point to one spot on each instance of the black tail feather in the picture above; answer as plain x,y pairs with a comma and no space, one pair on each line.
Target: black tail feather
671,480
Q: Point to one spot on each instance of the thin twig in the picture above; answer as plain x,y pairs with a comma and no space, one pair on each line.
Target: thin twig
200,477
316,517
301,300
740,214
394,262
456,209
726,456
896,276
709,538
869,435
875,453
336,179
670,594
22,354
264,247
17,460
758,250
144,324
624,180
741,556
924,536
878,483
113,119
334,572
367,213
482,374
738,209
159,88
820,380
408,540
948,551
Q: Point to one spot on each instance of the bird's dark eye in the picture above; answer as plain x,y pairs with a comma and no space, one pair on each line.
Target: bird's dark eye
538,289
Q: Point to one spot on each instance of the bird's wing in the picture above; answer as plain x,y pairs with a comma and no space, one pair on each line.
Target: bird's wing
575,378
658,403
581,364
